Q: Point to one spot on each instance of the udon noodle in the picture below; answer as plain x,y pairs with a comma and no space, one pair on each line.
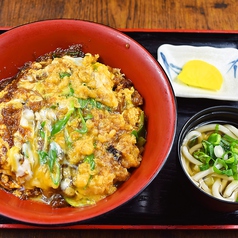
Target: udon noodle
209,156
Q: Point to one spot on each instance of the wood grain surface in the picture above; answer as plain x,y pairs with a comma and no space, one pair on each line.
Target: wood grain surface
152,14
143,14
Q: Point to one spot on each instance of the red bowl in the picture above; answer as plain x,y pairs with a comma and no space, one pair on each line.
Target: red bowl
25,43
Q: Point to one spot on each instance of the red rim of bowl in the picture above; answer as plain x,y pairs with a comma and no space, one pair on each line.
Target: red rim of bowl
43,214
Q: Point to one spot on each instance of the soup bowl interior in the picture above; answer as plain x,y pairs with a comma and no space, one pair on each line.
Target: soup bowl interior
213,115
27,42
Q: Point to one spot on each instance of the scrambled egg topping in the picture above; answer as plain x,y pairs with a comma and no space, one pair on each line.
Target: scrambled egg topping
69,131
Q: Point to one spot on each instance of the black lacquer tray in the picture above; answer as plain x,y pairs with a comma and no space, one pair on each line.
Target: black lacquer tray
165,203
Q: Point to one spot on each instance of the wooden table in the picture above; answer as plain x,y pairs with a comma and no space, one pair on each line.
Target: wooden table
154,14
146,14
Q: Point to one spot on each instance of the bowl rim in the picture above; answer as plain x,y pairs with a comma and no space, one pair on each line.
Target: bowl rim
156,64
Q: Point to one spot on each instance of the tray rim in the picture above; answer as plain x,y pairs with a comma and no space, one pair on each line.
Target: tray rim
159,30
18,225
119,227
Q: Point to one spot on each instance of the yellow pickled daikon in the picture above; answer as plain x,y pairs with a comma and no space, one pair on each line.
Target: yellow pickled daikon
198,73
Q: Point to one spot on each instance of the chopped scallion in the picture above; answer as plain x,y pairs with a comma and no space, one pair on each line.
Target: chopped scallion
224,161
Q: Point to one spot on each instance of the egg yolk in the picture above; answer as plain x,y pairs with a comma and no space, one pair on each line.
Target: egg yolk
198,73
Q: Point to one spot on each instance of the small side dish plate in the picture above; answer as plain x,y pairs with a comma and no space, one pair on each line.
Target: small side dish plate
173,57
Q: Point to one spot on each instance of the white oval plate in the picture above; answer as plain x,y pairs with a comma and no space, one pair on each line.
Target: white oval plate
172,58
